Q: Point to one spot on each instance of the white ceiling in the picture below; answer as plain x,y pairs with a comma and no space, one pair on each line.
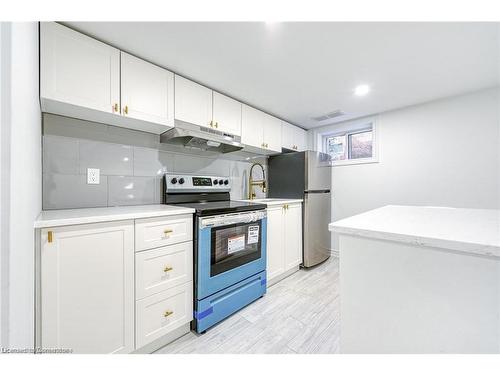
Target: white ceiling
301,70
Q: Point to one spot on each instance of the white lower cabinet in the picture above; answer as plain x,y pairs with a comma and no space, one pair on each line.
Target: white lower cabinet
87,299
87,288
293,235
275,242
284,240
163,312
160,269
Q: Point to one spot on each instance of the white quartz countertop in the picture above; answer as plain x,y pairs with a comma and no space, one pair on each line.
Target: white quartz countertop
474,231
55,218
273,201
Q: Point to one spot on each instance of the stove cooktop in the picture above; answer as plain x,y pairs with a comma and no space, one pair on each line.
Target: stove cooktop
222,207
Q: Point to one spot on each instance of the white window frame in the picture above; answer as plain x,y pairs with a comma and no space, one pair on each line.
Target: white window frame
347,128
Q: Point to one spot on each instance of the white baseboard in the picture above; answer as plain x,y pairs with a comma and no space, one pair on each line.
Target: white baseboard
164,340
284,275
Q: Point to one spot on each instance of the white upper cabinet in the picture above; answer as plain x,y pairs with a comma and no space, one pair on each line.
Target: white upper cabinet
77,70
260,130
147,91
272,132
193,102
226,114
293,137
287,135
252,127
301,139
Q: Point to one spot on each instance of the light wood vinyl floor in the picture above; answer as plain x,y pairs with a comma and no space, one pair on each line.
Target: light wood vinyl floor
300,314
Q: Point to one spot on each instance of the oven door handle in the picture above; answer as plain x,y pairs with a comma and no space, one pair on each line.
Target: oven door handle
222,220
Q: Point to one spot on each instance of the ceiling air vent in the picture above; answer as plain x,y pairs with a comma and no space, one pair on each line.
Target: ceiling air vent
329,116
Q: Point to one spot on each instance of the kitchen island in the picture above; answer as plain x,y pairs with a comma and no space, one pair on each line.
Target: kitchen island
420,280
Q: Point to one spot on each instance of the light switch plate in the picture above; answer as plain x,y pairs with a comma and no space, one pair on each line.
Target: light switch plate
93,176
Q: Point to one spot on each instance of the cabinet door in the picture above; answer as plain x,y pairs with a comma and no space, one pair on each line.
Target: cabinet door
78,70
227,114
163,312
287,135
300,139
147,91
252,131
163,268
161,231
293,235
275,242
87,288
272,132
193,102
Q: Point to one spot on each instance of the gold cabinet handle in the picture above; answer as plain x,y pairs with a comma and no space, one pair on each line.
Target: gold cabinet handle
168,231
267,146
167,268
263,145
125,110
115,107
217,125
49,236
167,313
212,124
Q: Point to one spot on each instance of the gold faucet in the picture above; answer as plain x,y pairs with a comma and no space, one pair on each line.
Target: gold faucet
252,182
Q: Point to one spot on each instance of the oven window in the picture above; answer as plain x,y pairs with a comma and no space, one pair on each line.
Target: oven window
234,245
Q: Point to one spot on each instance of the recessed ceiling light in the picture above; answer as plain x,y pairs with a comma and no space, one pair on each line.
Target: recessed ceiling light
361,90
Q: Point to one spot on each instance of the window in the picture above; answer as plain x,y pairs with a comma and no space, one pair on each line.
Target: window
360,145
352,143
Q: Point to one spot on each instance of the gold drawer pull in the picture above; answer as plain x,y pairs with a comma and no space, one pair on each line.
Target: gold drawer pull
115,107
168,313
125,110
167,268
217,125
167,231
49,236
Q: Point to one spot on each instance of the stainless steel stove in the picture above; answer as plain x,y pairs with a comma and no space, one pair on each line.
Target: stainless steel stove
229,246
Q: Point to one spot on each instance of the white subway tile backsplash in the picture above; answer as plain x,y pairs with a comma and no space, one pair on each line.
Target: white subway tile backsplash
200,165
151,162
60,155
129,190
131,163
72,191
111,158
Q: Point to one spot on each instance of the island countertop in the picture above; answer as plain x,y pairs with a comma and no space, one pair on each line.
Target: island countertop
54,218
475,231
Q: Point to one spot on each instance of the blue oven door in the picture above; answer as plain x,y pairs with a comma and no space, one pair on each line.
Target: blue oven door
231,248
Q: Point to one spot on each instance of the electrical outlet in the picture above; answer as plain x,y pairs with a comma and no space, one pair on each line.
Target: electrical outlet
93,175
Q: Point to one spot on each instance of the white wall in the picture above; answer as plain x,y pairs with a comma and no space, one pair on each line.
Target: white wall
442,153
21,179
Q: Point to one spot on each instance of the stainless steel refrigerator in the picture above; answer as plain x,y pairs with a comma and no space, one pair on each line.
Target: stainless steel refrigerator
306,175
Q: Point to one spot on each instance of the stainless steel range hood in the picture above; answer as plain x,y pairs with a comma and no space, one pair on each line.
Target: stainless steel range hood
195,136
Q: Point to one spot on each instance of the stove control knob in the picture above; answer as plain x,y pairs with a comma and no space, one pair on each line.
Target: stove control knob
181,180
216,182
221,182
226,182
173,180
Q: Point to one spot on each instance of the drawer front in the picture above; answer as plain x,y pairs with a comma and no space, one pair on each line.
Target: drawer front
158,232
163,312
163,268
